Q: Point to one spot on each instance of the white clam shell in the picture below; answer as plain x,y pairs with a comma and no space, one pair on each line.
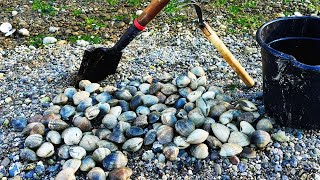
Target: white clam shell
200,151
246,128
45,150
74,164
180,142
221,131
5,27
133,144
239,138
197,136
230,149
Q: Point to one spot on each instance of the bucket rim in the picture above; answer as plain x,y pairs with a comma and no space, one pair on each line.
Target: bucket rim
280,54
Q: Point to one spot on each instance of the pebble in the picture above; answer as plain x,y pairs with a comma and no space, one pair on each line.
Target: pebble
19,123
49,40
14,170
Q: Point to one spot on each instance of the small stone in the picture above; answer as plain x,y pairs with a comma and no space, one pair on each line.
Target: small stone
14,170
49,40
60,99
148,155
122,173
19,123
24,32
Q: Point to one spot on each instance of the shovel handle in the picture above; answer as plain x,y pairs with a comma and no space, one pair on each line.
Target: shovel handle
151,11
227,55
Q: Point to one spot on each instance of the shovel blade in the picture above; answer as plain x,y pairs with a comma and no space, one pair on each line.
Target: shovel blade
97,63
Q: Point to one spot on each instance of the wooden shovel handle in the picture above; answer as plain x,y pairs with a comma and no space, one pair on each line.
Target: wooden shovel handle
226,54
151,11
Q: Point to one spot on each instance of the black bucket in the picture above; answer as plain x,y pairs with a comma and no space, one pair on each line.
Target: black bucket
290,49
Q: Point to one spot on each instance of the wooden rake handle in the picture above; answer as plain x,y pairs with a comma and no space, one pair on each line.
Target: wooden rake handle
226,54
151,11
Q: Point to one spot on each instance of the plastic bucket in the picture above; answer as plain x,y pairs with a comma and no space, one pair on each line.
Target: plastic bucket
290,50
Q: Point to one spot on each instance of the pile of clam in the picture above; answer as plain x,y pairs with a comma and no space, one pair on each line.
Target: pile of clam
93,128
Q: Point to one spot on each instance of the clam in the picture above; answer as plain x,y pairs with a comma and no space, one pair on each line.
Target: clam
202,105
125,106
114,160
180,142
87,164
247,105
213,142
168,119
194,95
208,95
96,174
69,92
171,152
197,136
230,149
134,131
63,151
280,136
217,110
92,112
67,111
84,104
74,164
198,71
248,153
165,134
116,111
141,121
153,117
144,88
207,124
133,144
232,127
71,136
221,131
52,110
80,96
246,116
264,124
33,141
239,138
82,123
116,136
172,99
109,121
103,97
162,98
57,125
193,81
227,116
60,99
200,151
84,83
122,126
260,138
215,89
34,128
246,128
168,89
182,114
28,155
224,97
180,103
99,154
147,155
123,95
92,87
109,89
107,144
149,100
135,102
45,150
89,142
182,81
201,89
154,88
184,127
196,117
66,174
189,106
101,133
5,27
184,92
165,77
158,107
77,152
142,110
128,116
53,137
150,137
202,81
122,173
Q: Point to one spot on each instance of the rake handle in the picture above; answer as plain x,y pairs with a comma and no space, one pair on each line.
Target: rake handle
227,55
151,11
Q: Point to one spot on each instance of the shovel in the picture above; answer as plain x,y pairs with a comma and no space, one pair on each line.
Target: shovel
223,50
97,63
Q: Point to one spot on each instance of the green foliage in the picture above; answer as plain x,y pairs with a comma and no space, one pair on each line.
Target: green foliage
119,17
77,12
112,2
36,41
219,3
134,2
45,7
90,38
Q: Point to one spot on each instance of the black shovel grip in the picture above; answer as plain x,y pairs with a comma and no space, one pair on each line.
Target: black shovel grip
127,37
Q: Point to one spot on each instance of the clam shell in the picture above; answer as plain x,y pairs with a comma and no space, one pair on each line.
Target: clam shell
171,152
221,131
33,141
135,102
74,164
122,126
183,81
114,160
196,117
165,77
165,134
77,152
232,127
89,142
69,92
180,103
28,155
224,97
194,95
180,142
172,99
60,99
72,136
149,100
207,124
154,88
63,151
109,121
123,95
80,96
162,98
57,125
217,110
208,95
198,71
184,92
142,110
153,117
116,136
158,107
280,136
99,154
202,81
144,88
248,153
107,144
134,131
128,116
193,81
133,144
246,116
103,97
202,105
265,125
150,137
45,150
182,114
246,128
168,89
184,127
230,149
96,174
92,87
34,128
215,89
213,142
189,106
87,164
92,112
82,123
5,27
104,108
116,111
197,136
227,117
66,174
84,83
141,121
67,111
101,133
120,173
53,137
168,119
200,151
239,138
260,138
247,105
